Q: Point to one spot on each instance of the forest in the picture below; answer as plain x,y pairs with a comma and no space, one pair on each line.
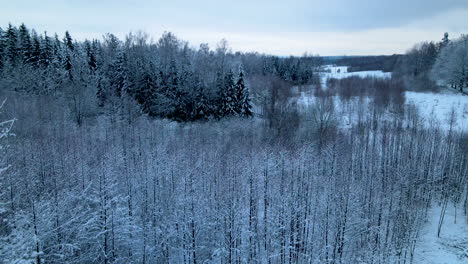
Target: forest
141,151
367,63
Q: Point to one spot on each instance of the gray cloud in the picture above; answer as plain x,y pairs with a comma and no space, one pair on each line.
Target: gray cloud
319,26
370,14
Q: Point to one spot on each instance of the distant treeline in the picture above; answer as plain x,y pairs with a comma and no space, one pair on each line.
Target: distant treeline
369,63
429,65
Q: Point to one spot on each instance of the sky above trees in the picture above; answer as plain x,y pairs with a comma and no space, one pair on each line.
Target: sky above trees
332,27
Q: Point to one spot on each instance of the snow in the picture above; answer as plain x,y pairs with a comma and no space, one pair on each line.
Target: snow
438,106
434,108
340,72
452,245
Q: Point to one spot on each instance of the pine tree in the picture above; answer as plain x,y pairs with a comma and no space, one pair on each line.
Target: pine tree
244,106
92,63
68,41
228,96
201,108
11,49
294,75
67,65
2,48
306,75
217,101
57,48
46,51
265,69
24,43
145,92
57,53
194,97
118,74
187,87
91,59
445,40
173,93
35,55
100,94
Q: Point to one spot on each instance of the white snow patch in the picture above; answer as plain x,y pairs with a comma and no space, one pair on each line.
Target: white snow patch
436,107
452,245
340,72
433,108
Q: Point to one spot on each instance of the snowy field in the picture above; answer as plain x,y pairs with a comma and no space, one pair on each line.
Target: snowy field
437,107
452,245
340,72
434,108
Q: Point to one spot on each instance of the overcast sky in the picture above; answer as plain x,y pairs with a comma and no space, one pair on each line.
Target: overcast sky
325,27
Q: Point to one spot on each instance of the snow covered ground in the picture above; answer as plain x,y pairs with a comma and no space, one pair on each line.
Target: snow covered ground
452,245
438,106
434,108
340,72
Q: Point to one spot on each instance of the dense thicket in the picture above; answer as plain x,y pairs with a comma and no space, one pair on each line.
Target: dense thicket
385,93
451,66
167,78
431,64
222,192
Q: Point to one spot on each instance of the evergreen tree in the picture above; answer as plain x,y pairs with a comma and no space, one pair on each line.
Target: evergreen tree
173,93
118,74
202,108
11,49
217,101
92,62
68,41
228,99
306,75
57,47
67,65
91,59
192,97
244,106
35,55
186,92
265,68
57,52
445,40
294,75
100,94
2,48
24,43
46,51
145,92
